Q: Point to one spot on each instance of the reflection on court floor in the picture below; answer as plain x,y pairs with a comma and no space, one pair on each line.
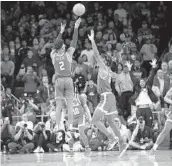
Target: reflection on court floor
131,158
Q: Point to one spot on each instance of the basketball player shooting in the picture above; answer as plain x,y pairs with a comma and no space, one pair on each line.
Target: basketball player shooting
62,59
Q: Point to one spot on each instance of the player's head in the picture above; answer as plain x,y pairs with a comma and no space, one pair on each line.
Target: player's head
141,122
59,45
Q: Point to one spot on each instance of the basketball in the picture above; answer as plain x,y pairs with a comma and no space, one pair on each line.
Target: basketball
79,9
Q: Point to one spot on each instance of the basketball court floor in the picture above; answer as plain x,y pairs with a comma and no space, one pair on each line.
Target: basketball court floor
131,158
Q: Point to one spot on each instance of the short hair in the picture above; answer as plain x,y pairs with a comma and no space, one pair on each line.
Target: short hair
58,44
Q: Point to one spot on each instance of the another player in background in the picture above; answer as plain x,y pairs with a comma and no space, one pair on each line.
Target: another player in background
62,59
81,115
168,124
107,105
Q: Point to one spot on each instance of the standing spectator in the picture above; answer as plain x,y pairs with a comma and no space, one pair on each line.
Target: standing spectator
91,91
121,13
144,97
138,71
89,53
30,81
168,56
79,79
45,92
125,84
148,51
7,71
29,60
85,69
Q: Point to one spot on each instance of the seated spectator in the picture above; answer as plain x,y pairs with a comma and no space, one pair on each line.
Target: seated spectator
96,139
29,108
7,71
142,137
125,133
40,137
30,81
57,139
7,133
23,139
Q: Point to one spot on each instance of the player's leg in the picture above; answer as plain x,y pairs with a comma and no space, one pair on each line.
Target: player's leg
70,140
167,128
58,97
81,126
69,95
110,108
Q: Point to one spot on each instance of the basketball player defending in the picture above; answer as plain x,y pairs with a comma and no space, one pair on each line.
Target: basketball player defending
62,59
168,124
107,105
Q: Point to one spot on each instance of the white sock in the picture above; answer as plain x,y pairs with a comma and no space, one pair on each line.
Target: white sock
155,146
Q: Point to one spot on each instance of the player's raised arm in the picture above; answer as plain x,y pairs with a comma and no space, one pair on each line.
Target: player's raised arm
75,37
96,52
59,37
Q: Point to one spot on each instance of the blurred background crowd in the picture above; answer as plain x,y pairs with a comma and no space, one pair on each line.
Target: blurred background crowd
125,31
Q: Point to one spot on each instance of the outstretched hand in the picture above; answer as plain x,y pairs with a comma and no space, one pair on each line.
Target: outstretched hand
129,65
77,23
91,37
62,27
153,63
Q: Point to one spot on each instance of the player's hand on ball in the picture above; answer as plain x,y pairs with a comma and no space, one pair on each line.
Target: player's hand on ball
91,37
77,23
62,28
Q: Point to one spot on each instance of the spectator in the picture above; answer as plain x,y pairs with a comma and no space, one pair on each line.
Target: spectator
40,137
91,91
57,139
168,56
121,13
7,133
29,108
125,133
45,92
143,136
23,139
7,71
125,84
30,81
138,71
29,60
8,105
144,97
148,51
89,53
79,79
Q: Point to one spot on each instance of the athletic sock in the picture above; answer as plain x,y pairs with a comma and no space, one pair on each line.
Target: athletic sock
155,147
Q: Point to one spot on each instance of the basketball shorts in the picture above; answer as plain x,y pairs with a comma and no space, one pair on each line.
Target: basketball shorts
107,103
64,88
80,121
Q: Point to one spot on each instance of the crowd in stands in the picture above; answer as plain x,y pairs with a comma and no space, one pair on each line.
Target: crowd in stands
130,33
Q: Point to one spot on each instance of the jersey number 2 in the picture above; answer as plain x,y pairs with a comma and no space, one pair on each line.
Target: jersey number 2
61,65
